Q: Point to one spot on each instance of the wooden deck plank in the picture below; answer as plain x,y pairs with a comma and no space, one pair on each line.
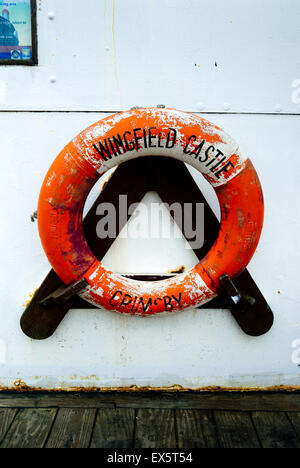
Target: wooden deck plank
197,400
295,421
7,416
196,429
235,430
30,428
114,428
155,428
72,428
152,428
275,430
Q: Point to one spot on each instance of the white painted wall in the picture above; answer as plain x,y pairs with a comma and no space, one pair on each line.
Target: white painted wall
112,56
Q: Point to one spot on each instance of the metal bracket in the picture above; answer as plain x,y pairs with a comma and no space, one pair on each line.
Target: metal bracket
242,296
239,300
63,294
33,217
248,305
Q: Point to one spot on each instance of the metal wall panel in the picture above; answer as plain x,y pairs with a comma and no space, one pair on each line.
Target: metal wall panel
193,349
196,55
229,59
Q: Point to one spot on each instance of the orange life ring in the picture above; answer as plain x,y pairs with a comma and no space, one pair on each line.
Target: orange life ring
146,132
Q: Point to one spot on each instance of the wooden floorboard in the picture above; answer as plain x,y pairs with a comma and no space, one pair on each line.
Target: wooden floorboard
196,429
119,421
235,430
7,416
226,401
295,421
155,428
275,430
72,428
114,428
30,428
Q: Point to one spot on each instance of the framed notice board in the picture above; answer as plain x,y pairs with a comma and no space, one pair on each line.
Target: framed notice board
18,42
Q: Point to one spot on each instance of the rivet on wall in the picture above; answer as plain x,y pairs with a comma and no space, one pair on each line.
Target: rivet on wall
52,79
200,106
51,15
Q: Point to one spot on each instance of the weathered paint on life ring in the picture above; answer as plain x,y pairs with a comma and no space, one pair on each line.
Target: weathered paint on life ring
147,132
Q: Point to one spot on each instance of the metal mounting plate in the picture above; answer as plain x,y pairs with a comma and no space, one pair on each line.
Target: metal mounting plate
53,299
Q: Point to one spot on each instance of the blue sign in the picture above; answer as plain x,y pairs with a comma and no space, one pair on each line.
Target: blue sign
15,30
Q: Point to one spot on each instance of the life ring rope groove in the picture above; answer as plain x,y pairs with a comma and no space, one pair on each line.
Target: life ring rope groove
147,132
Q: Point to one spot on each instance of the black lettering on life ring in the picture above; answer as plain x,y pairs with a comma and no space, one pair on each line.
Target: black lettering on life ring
126,300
